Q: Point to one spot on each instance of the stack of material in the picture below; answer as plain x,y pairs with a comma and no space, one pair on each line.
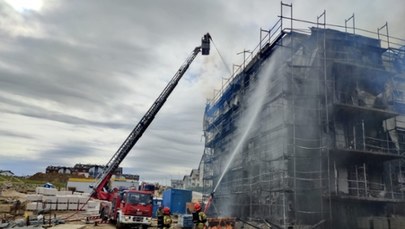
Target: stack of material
93,207
35,201
52,199
49,202
73,202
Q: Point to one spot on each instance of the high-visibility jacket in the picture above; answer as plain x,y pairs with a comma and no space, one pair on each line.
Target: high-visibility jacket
202,219
167,221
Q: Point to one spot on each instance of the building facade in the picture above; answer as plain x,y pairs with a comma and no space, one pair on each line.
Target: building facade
58,169
177,184
6,173
310,132
86,170
192,181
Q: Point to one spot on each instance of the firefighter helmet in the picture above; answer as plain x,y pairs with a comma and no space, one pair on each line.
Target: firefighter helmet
197,206
166,211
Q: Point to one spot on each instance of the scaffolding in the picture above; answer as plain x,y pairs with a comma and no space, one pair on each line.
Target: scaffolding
328,149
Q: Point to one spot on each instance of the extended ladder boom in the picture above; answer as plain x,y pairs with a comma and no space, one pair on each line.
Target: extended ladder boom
146,120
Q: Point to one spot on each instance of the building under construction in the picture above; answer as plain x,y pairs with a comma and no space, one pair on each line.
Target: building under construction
326,149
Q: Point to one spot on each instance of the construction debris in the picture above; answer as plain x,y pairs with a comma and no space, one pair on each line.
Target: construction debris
221,223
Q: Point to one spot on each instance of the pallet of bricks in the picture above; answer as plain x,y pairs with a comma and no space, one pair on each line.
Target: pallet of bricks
52,199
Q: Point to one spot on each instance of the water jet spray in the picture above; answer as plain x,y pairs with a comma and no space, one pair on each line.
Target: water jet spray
253,111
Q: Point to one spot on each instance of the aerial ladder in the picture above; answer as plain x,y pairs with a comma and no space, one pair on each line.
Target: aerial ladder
144,123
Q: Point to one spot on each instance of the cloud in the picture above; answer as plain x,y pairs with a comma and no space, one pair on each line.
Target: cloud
15,134
76,76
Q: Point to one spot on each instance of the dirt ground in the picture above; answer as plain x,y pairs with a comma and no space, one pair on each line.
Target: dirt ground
79,219
84,226
102,226
109,226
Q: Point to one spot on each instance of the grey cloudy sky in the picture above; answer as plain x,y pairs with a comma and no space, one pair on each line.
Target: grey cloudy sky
76,76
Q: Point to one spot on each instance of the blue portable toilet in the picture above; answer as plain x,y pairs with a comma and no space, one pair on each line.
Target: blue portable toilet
176,200
157,202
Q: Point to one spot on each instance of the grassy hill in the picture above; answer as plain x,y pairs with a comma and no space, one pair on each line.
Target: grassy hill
24,184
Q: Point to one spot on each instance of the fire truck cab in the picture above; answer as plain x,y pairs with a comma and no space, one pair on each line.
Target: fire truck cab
130,208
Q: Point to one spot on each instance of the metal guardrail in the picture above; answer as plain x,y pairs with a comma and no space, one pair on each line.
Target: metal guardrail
366,189
370,144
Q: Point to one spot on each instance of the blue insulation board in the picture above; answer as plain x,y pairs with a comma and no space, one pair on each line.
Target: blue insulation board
176,200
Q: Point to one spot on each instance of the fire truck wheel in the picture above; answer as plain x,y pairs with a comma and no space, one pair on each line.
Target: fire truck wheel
118,224
144,226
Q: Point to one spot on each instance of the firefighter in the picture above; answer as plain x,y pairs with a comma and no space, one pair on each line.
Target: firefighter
159,215
199,217
167,219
